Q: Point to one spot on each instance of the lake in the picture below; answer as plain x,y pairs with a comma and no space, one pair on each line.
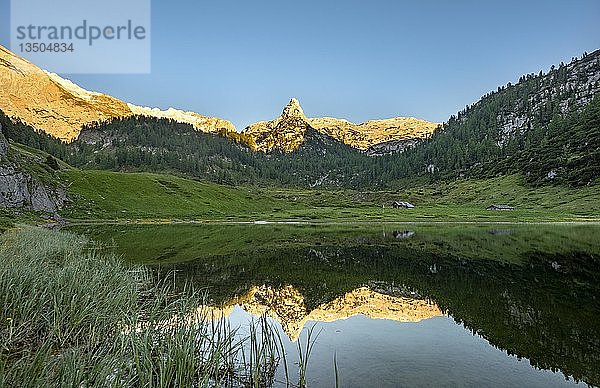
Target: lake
397,305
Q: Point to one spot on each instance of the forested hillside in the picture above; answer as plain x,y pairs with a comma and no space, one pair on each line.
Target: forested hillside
566,151
515,118
546,127
151,144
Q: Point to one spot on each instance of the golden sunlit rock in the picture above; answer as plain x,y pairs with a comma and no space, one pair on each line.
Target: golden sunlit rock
201,123
286,133
60,108
367,134
286,305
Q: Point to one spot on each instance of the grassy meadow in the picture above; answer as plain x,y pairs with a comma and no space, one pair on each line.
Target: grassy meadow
102,195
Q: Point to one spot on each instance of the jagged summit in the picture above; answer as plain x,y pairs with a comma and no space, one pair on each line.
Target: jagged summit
286,133
61,108
292,115
293,109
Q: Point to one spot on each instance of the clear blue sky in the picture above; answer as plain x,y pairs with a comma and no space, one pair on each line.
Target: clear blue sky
360,60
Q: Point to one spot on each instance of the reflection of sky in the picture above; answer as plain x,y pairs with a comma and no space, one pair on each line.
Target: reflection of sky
384,353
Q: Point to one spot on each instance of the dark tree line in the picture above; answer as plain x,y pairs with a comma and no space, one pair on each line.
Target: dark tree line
554,147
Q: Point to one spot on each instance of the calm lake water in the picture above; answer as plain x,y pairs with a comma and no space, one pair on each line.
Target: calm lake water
399,305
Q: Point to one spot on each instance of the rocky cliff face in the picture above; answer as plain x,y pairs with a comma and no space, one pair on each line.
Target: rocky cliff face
286,133
59,107
38,99
392,146
374,132
565,89
201,123
4,146
20,190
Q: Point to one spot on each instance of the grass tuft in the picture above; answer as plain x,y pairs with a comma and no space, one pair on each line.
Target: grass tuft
73,316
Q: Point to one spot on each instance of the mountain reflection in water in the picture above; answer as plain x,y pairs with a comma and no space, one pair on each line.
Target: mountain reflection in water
532,291
286,305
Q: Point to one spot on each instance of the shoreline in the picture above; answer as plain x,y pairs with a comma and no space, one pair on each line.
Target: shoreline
321,223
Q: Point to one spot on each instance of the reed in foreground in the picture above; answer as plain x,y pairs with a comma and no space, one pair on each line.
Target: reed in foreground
71,316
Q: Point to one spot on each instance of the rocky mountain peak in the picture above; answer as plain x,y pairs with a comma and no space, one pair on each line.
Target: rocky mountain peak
292,119
293,110
286,133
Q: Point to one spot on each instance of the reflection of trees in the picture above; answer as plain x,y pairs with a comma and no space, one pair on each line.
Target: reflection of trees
531,311
544,310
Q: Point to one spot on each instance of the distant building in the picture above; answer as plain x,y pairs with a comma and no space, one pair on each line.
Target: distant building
400,235
403,205
500,207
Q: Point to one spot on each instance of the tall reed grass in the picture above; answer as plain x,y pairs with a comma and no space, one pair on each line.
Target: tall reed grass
72,316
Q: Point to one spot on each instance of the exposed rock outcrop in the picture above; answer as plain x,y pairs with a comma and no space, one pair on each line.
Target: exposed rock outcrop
45,102
20,190
201,123
60,108
391,147
374,132
568,88
286,133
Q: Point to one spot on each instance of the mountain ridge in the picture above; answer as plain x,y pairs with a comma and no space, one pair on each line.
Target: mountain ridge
286,132
552,138
62,108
